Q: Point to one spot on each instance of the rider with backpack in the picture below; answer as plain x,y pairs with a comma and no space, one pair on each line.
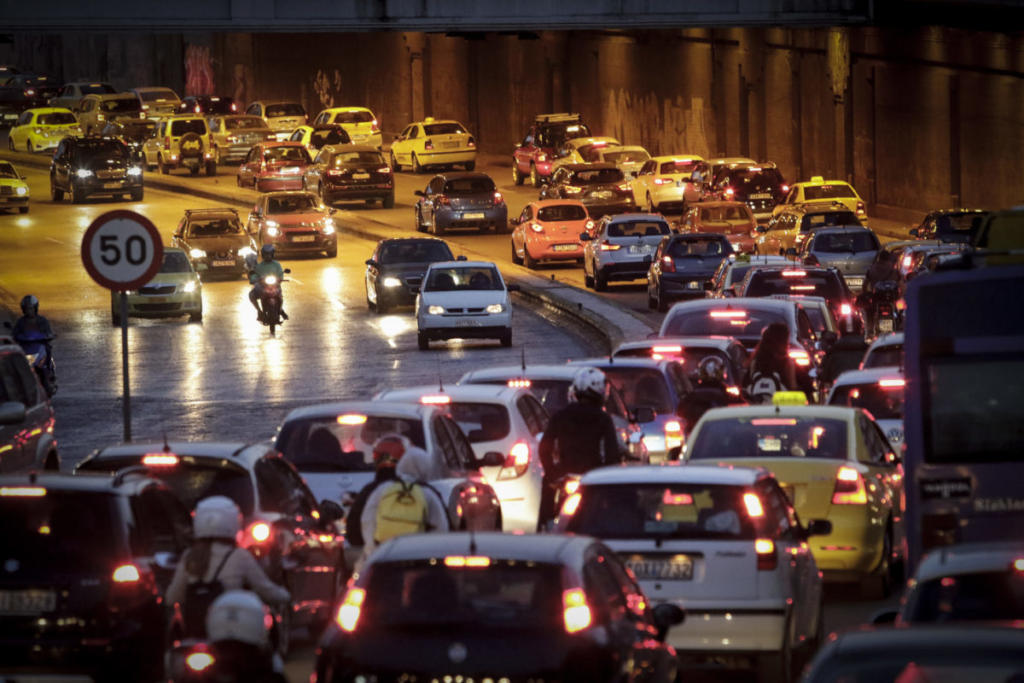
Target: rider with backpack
771,369
214,564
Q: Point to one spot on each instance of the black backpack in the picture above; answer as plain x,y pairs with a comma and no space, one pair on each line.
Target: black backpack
198,598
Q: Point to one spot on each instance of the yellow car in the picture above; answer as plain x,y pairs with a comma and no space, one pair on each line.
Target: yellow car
174,291
433,143
41,129
834,463
665,183
584,150
359,122
820,190
13,188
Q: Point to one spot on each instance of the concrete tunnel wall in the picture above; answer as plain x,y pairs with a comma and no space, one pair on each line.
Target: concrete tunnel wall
916,119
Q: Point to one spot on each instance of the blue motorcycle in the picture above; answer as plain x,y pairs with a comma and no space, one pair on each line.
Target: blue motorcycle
39,352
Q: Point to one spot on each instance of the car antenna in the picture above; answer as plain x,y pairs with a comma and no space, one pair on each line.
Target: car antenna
522,352
472,542
440,380
167,446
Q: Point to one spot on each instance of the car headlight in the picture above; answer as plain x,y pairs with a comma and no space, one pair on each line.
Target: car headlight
395,282
496,308
328,227
21,191
197,253
246,251
272,231
135,170
435,310
83,173
189,286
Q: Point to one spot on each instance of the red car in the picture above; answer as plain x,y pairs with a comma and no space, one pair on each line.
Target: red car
274,166
550,230
294,222
735,220
534,155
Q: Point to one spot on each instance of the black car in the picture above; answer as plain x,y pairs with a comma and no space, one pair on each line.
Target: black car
86,560
208,105
601,187
395,271
215,240
132,132
25,91
351,173
759,186
956,226
682,266
83,167
827,282
499,607
293,537
460,200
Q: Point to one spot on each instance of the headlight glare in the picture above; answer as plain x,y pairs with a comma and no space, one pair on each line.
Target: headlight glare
189,287
392,282
246,251
21,191
134,171
496,308
197,253
272,231
83,173
435,310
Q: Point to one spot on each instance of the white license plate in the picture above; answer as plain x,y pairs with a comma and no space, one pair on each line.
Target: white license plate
678,568
360,176
111,186
290,169
761,195
472,216
467,323
885,325
855,281
27,601
304,238
223,263
451,145
643,249
565,247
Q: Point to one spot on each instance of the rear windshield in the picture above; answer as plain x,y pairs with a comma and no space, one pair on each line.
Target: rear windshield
443,129
597,176
625,156
845,242
771,437
285,109
749,180
345,159
291,153
353,117
506,595
817,220
958,224
158,96
218,105
328,136
663,510
244,123
884,403
984,596
675,167
562,212
327,445
175,262
463,278
59,118
138,130
197,126
728,322
638,229
699,246
214,227
732,212
72,530
120,105
415,252
96,89
475,185
641,387
554,134
592,152
552,393
838,191
292,203
883,356
481,421
768,282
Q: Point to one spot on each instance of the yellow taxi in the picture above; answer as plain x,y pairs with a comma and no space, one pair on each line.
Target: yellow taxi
433,143
360,123
13,188
41,129
834,463
666,183
820,190
789,227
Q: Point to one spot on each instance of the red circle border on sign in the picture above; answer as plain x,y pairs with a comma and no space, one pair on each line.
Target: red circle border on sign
149,227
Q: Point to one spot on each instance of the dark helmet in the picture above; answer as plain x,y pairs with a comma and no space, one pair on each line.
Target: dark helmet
267,252
29,302
711,368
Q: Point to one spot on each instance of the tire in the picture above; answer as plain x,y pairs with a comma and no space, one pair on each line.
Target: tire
333,251
10,143
506,337
370,306
55,193
238,181
388,202
600,282
515,257
419,221
435,229
470,165
211,168
534,176
650,204
879,585
416,168
193,171
22,209
381,306
161,166
588,280
395,166
776,667
75,196
196,317
217,159
28,147
530,262
652,303
422,341
137,195
517,176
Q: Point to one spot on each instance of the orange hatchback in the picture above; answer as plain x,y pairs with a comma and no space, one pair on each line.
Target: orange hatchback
274,166
732,219
549,230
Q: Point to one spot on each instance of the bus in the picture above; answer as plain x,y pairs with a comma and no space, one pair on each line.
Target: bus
964,412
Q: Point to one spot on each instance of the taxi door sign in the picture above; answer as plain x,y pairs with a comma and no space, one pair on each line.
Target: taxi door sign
789,398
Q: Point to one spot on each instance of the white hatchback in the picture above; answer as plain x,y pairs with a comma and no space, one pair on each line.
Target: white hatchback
463,300
724,544
503,420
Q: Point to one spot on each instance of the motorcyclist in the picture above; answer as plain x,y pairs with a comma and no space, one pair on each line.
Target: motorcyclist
579,437
709,392
214,563
34,328
845,354
268,266
882,270
238,642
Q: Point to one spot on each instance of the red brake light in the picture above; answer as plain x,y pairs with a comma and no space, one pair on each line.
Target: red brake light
800,357
29,92
374,126
850,489
785,188
469,562
1018,564
668,264
571,505
259,532
199,661
576,611
729,192
666,349
845,309
428,144
773,421
22,491
608,246
572,485
753,504
519,383
160,460
234,107
728,314
497,198
516,462
439,400
892,382
351,419
663,181
536,227
351,606
127,573
196,109
767,559
471,143
384,169
794,273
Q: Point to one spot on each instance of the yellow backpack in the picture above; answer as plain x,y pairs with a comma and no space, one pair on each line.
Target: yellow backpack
402,510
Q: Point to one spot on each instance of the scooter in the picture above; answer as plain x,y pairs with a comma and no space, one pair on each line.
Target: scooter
39,353
271,302
886,316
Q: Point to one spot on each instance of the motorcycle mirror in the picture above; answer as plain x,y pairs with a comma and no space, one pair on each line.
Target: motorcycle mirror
287,270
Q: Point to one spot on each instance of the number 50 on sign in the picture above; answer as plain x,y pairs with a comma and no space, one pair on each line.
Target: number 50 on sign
122,250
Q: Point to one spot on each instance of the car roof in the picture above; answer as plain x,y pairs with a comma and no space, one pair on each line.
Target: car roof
717,342
462,264
673,473
802,299
589,140
740,302
481,393
50,110
628,362
282,143
279,193
870,644
623,217
542,203
812,411
335,110
840,229
89,482
338,149
718,161
891,339
619,148
537,372
715,204
112,95
429,120
233,451
759,260
868,375
410,240
595,166
823,181
458,175
542,548
376,408
676,157
969,558
185,117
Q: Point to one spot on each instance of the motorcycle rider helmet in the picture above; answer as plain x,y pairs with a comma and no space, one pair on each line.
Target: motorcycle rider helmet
588,382
238,615
711,368
216,517
29,301
267,252
388,450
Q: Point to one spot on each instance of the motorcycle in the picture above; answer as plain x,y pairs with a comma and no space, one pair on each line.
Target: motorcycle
885,314
226,661
39,353
271,301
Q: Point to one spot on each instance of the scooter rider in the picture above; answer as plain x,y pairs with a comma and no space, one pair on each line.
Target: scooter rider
710,392
30,320
268,266
238,640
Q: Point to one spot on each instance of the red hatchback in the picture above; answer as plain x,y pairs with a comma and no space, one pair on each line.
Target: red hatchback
294,222
735,220
274,166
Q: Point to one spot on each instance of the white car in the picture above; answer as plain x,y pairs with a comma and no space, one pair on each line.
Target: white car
724,544
627,158
463,300
665,183
878,391
502,420
885,350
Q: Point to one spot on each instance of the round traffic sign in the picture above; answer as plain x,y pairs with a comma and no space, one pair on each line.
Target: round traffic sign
122,250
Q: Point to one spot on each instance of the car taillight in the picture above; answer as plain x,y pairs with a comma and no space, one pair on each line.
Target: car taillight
232,138
428,144
196,109
850,489
664,181
624,187
126,573
576,611
1018,564
199,661
845,309
729,192
767,559
752,502
384,169
784,188
520,383
892,382
668,264
536,227
589,225
160,460
516,462
498,198
29,92
861,210
348,613
443,201
571,505
800,357
259,532
374,126
608,246
471,142
234,107
673,434
335,172
167,142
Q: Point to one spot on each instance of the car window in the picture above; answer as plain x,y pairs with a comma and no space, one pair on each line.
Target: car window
179,128
771,437
450,128
343,159
839,243
299,500
836,191
680,382
597,176
327,444
285,109
562,212
353,117
175,262
481,422
154,530
414,251
726,321
292,203
677,167
526,411
57,119
603,591
884,403
641,386
454,278
244,123
443,439
466,186
215,227
462,449
287,154
638,229
328,136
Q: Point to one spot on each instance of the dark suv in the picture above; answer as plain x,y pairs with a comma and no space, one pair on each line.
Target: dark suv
759,186
601,187
86,560
351,172
208,105
533,157
132,132
83,167
26,417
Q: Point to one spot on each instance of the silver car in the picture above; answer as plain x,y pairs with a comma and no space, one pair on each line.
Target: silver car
851,249
621,247
232,136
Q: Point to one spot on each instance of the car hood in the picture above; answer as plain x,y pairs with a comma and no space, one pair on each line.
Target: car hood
297,219
223,243
12,182
465,299
404,269
172,278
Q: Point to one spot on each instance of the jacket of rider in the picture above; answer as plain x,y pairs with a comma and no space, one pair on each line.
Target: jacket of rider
265,268
25,324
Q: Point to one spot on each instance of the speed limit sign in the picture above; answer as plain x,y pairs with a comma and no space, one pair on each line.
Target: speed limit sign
122,250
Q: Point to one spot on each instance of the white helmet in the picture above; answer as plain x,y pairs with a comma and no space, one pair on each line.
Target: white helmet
216,517
588,382
238,615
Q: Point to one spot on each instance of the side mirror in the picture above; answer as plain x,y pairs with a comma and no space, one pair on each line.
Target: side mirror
461,257
643,414
12,413
513,287
883,617
419,193
372,262
330,511
819,527
760,228
913,232
287,270
585,237
491,459
667,615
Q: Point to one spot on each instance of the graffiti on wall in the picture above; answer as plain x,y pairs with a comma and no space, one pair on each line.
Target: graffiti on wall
327,87
662,125
198,70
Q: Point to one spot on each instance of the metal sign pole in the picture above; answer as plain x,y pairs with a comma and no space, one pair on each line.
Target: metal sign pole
126,398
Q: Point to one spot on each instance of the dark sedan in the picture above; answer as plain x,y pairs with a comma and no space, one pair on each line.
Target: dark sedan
460,200
601,187
950,225
497,607
351,173
683,265
395,271
215,240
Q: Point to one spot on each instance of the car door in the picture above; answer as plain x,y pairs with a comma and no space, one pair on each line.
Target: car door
471,494
19,134
17,447
519,229
247,170
399,147
641,184
524,152
434,191
314,172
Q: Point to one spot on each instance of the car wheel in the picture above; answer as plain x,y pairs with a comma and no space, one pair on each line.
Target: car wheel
600,281
193,171
662,303
419,220
470,165
28,146
650,203
515,256
332,252
652,303
879,585
76,195
435,229
211,168
161,166
588,280
22,209
370,306
55,194
517,175
388,202
10,142
531,262
534,176
137,194
422,341
416,168
506,337
395,166
196,317
382,306
238,180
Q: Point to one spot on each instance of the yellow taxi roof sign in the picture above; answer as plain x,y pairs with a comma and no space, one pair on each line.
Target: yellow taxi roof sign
817,179
428,119
789,398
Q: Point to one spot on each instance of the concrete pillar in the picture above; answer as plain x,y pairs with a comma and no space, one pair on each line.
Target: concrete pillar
753,106
554,46
415,44
838,53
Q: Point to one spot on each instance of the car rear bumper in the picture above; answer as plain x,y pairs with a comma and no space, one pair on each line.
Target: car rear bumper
728,629
287,243
854,548
340,193
554,250
455,156
473,218
626,270
682,285
373,139
274,183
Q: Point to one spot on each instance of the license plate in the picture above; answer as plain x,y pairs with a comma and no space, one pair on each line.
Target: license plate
157,299
360,176
565,247
451,145
641,249
304,238
111,186
27,601
675,568
855,281
885,325
290,169
223,263
471,216
761,195
467,323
